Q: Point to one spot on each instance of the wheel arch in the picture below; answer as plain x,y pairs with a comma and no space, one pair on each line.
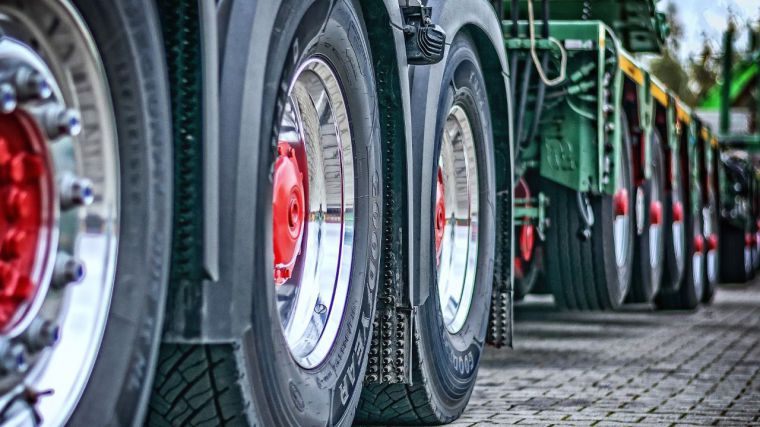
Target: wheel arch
477,19
216,311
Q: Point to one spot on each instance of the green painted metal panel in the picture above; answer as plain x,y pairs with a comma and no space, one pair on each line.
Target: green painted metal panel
638,25
579,139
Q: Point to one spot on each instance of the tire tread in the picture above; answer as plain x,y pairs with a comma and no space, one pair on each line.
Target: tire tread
188,389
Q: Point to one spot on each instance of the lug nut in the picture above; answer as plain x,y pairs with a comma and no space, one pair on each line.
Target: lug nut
31,85
67,270
12,357
58,121
75,191
8,99
41,333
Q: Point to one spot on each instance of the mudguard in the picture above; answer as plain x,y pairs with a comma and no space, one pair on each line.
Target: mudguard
453,17
233,33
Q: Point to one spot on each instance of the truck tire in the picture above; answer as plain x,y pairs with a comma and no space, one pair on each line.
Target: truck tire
312,254
449,340
689,291
89,348
675,234
592,273
712,266
735,254
648,259
530,279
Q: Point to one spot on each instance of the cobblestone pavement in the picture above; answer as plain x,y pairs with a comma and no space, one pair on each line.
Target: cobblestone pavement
632,367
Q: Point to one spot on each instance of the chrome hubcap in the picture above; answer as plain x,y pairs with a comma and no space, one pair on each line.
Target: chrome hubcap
678,234
711,244
458,249
61,208
697,269
621,225
655,224
313,266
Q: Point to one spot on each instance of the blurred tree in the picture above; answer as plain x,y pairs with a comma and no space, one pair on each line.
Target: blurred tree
668,68
703,70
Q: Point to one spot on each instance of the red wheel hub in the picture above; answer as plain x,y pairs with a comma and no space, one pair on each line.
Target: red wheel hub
440,213
712,242
288,211
677,212
25,178
750,239
527,238
621,202
655,213
699,244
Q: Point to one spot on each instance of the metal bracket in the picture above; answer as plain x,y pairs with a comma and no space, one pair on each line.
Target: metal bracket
425,41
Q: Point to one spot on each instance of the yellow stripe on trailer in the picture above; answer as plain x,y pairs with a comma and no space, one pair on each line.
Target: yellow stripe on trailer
682,113
705,133
631,69
659,94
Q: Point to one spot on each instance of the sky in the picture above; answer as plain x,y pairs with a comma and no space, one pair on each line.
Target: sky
709,17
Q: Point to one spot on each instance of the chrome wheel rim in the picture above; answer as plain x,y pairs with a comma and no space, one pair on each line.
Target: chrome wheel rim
655,225
698,263
711,253
312,298
71,107
457,224
678,239
621,224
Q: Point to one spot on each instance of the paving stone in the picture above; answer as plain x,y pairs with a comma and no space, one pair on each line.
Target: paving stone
632,367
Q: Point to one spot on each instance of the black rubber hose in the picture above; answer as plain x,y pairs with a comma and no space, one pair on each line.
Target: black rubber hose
540,95
527,71
541,90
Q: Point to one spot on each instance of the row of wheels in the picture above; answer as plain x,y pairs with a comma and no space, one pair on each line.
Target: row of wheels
96,245
653,241
100,169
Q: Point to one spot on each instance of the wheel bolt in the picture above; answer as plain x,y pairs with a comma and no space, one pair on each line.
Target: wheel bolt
41,333
30,84
67,270
75,191
13,357
58,121
8,99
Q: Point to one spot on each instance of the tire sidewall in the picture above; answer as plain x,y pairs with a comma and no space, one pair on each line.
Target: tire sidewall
672,274
290,394
618,279
118,388
452,359
651,276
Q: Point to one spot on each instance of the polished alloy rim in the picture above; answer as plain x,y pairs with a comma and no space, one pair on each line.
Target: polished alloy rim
677,227
655,224
697,261
711,242
313,212
457,205
56,114
678,234
621,224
